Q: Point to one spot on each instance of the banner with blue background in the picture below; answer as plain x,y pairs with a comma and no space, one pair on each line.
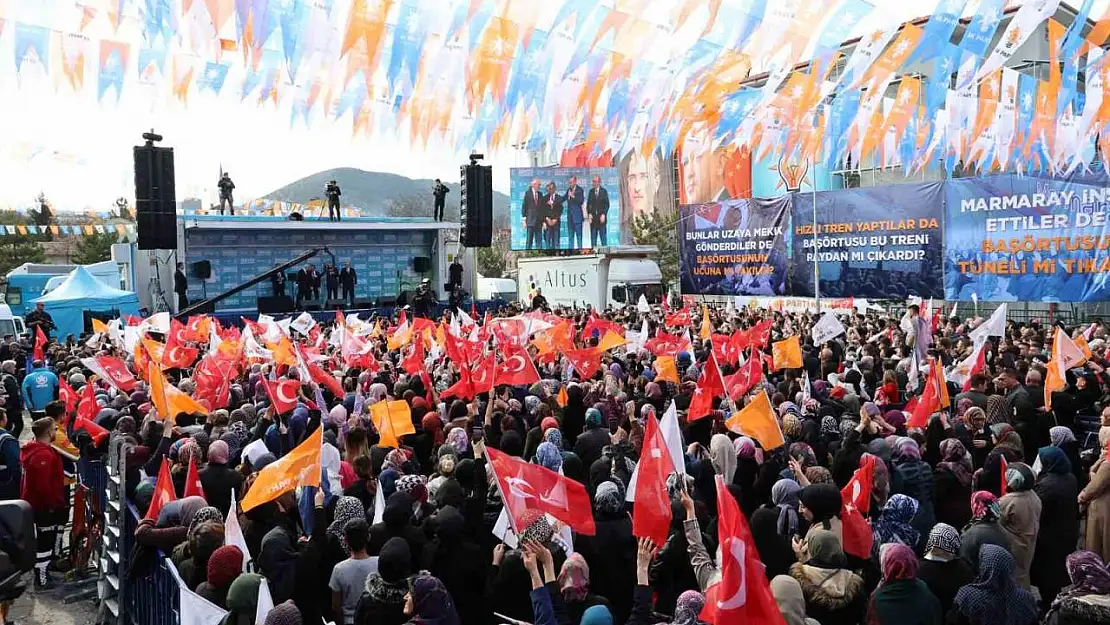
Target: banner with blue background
877,243
734,247
1028,238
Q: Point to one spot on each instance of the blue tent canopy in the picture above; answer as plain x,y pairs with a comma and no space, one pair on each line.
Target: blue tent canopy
82,292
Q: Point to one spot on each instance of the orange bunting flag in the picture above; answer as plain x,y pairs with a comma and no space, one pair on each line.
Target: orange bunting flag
300,467
99,327
706,327
757,420
163,492
787,353
562,397
666,370
393,419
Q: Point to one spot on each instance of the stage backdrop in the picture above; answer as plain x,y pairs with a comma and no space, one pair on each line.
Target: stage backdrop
876,243
520,181
1027,238
734,247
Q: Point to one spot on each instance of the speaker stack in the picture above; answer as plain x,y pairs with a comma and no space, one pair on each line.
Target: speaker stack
476,204
201,270
155,196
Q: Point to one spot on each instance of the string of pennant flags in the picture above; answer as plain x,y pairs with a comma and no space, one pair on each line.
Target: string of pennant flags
125,230
618,76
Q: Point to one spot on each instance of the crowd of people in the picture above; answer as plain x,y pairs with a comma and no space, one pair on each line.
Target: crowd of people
995,512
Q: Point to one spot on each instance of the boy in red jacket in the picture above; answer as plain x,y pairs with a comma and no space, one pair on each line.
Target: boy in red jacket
44,489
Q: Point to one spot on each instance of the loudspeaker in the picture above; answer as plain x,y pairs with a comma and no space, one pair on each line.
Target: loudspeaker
155,198
421,264
476,205
363,303
312,306
272,304
201,270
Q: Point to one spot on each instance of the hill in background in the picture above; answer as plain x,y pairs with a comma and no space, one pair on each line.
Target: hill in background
383,194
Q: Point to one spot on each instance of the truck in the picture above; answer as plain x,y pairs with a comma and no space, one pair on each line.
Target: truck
496,289
607,278
30,281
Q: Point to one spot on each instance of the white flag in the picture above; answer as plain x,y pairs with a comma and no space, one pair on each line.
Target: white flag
503,529
379,504
1024,23
827,328
303,323
233,534
913,376
642,305
672,435
993,326
807,389
193,608
158,322
265,603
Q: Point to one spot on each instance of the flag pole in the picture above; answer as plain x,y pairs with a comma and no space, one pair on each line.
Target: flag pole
816,265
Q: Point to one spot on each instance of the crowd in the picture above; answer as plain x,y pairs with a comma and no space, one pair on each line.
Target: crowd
992,509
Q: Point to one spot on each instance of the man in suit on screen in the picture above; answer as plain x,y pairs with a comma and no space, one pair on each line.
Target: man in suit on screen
532,214
576,213
597,206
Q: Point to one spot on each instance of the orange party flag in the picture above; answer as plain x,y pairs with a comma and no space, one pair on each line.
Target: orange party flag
300,467
562,397
610,340
787,353
99,327
393,419
757,420
706,327
168,400
665,369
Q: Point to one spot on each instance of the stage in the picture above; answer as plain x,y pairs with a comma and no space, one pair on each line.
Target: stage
381,251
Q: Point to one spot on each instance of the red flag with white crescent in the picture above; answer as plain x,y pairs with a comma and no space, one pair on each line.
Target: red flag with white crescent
743,594
516,370
855,505
193,487
746,378
39,352
283,394
651,507
526,486
163,492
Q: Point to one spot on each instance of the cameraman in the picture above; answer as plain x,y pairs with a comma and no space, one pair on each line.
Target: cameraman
332,192
440,191
227,187
423,299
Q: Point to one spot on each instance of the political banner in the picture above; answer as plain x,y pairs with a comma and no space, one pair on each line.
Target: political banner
1028,238
564,208
734,247
877,242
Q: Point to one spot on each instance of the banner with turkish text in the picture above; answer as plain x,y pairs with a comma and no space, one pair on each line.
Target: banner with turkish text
734,247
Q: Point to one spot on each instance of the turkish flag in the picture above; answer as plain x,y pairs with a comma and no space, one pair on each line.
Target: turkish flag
724,349
740,340
678,318
413,363
163,492
856,504
651,508
710,385
516,370
327,380
743,594
663,344
113,371
760,334
87,408
463,389
180,334
179,357
192,480
39,352
586,362
525,486
97,432
283,395
746,378
932,400
67,395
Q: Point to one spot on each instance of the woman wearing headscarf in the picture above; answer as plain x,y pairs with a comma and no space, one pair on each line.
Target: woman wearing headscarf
172,526
460,563
952,485
792,603
1008,446
998,410
242,599
574,586
292,565
219,479
383,602
346,509
894,525
610,552
1096,498
723,457
1087,600
1021,517
975,435
1062,437
191,557
397,522
901,598
913,477
428,602
994,598
225,564
687,606
820,506
834,595
1059,524
589,444
749,459
942,568
774,527
983,528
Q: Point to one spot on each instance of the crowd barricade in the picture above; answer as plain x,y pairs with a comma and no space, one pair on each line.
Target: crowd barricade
151,598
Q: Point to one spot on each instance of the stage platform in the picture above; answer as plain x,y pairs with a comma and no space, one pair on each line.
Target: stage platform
481,306
381,251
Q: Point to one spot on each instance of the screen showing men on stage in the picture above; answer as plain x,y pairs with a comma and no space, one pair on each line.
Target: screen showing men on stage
564,208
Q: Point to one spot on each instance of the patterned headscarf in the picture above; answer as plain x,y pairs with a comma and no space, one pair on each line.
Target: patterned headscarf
819,475
998,410
1060,435
688,607
553,436
431,603
803,452
893,524
905,450
395,460
897,561
458,439
956,460
829,426
593,418
943,537
536,526
574,578
791,426
207,514
414,485
785,496
984,506
994,597
549,456
346,509
609,498
1088,573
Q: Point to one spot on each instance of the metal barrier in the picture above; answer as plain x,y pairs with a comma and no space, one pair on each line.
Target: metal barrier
152,598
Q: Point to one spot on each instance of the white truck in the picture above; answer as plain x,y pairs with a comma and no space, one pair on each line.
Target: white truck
611,277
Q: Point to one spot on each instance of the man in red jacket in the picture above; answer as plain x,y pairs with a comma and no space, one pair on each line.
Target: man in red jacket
44,488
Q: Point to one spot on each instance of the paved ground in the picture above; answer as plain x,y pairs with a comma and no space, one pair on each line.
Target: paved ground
47,608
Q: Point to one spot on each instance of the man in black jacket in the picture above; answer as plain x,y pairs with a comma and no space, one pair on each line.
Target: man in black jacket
278,281
333,193
227,188
531,215
597,207
181,287
331,281
348,278
440,192
39,318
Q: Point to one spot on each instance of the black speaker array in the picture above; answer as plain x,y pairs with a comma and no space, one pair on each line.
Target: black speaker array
421,264
201,270
476,205
155,198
